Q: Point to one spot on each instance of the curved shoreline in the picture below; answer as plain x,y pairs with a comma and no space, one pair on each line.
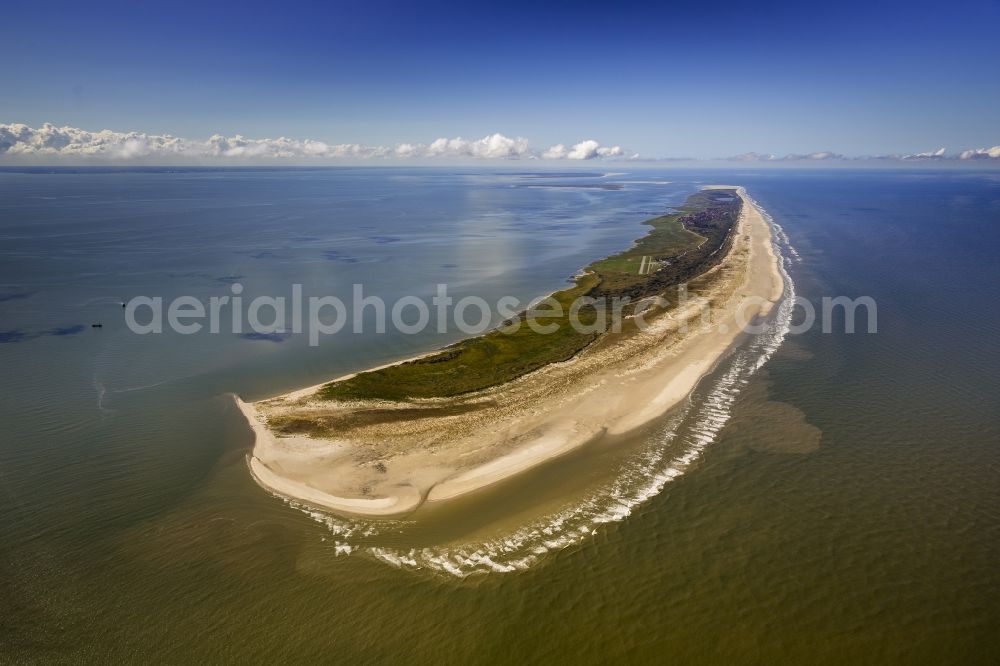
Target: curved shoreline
586,398
268,479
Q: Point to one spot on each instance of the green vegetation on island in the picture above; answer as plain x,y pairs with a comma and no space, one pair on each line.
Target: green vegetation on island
678,247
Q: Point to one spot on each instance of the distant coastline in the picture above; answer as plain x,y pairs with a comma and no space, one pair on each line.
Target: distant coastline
341,446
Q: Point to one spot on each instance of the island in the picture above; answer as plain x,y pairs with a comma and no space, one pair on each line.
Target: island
451,422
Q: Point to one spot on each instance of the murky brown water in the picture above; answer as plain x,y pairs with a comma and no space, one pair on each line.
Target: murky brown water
840,504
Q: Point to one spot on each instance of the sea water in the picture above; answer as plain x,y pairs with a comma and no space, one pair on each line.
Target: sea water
822,495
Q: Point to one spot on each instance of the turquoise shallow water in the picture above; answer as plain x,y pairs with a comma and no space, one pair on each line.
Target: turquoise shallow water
848,508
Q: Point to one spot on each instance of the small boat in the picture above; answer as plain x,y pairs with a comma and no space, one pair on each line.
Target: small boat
96,325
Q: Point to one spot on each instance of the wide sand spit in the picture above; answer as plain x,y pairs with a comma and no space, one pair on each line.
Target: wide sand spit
389,467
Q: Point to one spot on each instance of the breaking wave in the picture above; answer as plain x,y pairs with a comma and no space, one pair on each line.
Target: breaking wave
671,451
781,239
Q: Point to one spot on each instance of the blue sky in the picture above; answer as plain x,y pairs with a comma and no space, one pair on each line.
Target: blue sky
680,79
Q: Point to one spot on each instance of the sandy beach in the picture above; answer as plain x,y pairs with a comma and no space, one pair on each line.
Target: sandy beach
389,466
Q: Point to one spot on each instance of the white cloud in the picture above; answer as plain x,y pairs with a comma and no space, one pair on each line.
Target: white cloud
589,149
556,152
981,154
494,146
49,141
753,157
793,157
822,155
938,154
18,139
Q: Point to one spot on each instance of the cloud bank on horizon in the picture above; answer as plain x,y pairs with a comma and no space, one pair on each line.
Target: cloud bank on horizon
930,155
48,141
19,142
